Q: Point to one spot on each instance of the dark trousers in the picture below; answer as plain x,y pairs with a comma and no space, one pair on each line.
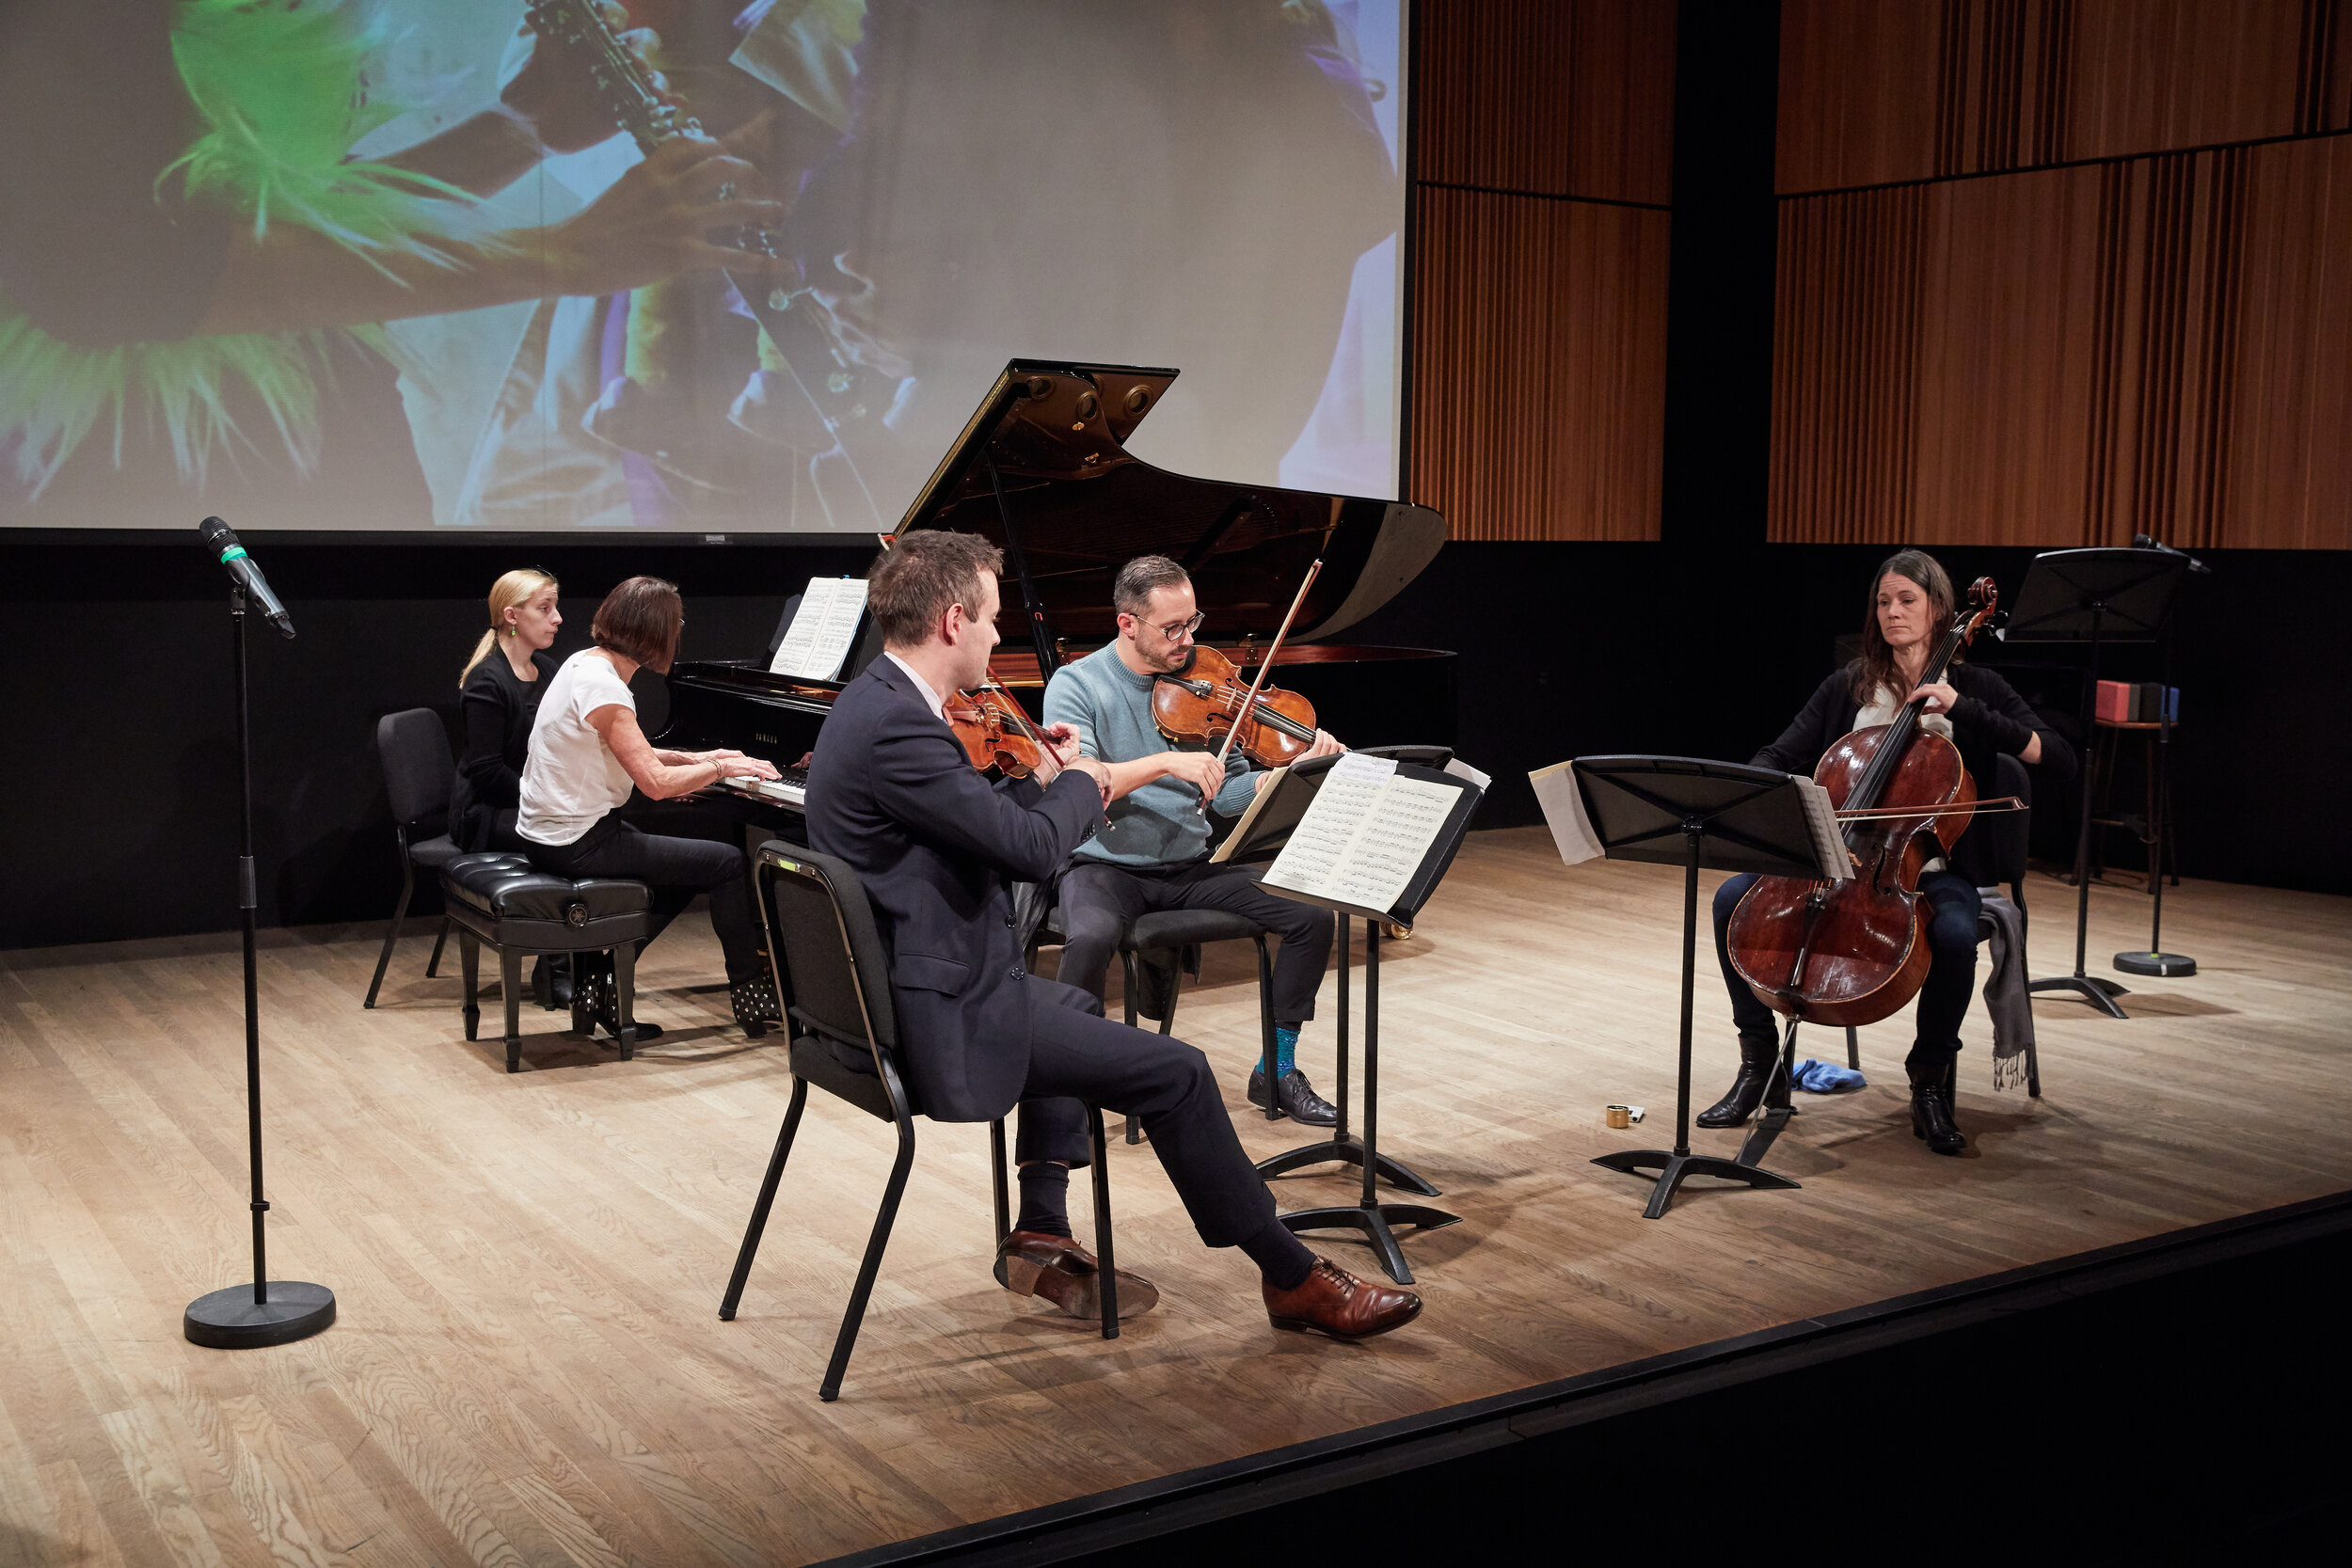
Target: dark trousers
675,869
1951,934
1098,902
1077,1057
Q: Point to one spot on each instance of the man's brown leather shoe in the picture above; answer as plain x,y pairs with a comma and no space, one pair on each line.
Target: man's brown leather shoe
1032,1263
1332,1301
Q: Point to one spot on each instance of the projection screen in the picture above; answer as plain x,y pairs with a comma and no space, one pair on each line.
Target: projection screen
409,265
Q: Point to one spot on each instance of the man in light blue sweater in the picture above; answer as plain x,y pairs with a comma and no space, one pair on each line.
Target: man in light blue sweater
1153,855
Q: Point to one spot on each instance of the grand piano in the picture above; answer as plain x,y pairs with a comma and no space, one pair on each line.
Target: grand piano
1041,469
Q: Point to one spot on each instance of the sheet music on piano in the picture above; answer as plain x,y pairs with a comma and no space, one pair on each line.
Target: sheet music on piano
1365,838
822,633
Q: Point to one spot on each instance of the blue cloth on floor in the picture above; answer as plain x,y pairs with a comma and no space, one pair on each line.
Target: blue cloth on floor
1827,1078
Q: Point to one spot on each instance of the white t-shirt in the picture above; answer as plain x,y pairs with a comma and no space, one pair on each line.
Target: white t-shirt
571,778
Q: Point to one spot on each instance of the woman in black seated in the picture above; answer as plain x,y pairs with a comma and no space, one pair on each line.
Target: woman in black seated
498,694
586,751
1910,610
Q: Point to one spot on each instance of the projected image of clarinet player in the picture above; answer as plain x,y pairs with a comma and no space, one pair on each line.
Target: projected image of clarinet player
1910,605
891,791
587,751
1153,854
203,273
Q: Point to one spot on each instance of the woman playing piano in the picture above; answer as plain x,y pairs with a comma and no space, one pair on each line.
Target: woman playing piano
586,751
1910,605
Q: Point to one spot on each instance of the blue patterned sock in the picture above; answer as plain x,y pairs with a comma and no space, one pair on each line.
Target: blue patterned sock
1285,1048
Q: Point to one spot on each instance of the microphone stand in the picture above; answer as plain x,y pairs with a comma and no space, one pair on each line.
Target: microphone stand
268,1311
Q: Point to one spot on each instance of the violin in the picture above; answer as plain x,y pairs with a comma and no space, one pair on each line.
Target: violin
1853,952
996,731
1198,705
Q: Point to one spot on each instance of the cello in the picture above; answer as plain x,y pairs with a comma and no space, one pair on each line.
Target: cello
1853,952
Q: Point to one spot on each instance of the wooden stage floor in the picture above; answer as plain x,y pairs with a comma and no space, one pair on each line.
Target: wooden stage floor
528,1368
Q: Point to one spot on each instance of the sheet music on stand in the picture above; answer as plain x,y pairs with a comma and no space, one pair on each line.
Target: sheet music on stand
1366,836
820,635
1563,802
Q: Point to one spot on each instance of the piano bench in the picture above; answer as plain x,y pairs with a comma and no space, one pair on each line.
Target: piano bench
501,901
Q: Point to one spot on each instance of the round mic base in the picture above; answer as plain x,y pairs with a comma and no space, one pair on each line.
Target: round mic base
2169,966
231,1319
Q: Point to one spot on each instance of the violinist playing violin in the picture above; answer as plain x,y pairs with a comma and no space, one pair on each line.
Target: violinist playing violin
1155,853
1911,604
893,792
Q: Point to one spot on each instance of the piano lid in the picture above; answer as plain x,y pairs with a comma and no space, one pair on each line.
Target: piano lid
1082,506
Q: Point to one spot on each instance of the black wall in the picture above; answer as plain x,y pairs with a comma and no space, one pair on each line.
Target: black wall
122,816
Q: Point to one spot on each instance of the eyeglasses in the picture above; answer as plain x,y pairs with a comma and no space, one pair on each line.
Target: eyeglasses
1175,630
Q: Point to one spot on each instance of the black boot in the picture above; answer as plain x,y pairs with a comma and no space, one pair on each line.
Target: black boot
1931,1105
1758,1055
754,1000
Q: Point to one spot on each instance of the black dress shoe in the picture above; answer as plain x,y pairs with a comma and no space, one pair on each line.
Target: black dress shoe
1931,1109
1294,1097
1758,1055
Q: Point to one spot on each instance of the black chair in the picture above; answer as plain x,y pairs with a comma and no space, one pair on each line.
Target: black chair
503,900
2010,831
844,1041
414,749
1154,952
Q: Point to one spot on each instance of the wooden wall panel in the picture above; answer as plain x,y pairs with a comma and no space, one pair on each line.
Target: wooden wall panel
1539,341
1549,96
2159,345
1874,91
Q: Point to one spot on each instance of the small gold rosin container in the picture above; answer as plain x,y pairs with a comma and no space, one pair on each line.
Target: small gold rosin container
1620,1116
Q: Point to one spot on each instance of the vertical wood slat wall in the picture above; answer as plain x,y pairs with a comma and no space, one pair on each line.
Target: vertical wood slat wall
1538,314
2153,336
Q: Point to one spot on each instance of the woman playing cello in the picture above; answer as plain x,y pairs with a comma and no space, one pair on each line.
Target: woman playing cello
1910,605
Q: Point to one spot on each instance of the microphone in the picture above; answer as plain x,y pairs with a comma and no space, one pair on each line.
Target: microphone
221,540
2149,542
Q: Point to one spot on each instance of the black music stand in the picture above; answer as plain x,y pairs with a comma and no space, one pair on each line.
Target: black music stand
2096,596
1260,837
1689,812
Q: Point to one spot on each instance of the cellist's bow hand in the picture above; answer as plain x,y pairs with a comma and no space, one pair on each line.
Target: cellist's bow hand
1327,745
1940,696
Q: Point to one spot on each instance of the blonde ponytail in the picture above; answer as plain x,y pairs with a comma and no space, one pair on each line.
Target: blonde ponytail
480,652
512,588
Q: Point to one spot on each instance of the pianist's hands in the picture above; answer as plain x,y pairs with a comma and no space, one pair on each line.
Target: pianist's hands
735,765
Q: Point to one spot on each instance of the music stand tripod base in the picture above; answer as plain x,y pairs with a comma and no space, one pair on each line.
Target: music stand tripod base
1376,1221
2166,966
1674,1169
233,1320
2100,994
1347,1150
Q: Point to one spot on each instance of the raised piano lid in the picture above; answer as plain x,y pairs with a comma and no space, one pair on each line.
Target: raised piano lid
1082,506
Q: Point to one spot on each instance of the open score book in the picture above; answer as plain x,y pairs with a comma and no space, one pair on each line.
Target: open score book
1367,841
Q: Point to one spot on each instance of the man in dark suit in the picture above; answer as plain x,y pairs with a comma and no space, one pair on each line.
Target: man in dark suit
891,792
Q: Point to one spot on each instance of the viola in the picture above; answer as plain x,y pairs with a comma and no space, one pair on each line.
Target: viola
996,731
1198,706
1853,952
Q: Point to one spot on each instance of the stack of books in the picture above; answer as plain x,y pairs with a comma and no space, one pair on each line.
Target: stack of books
2134,703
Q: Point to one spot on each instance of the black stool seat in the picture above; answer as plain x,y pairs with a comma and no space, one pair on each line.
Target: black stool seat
500,899
566,914
1186,928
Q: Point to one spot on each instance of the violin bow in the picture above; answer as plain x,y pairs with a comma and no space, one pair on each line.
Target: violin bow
1264,669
